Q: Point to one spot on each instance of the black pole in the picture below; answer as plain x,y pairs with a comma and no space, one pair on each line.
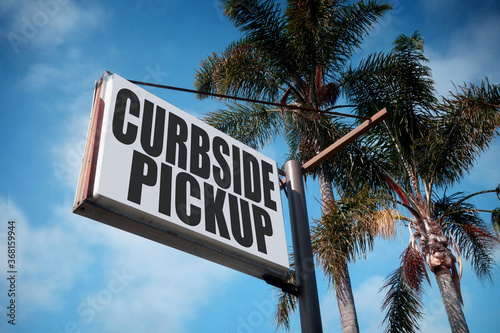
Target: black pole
310,317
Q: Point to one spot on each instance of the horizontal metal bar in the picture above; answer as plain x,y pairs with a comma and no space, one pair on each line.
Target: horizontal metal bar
350,137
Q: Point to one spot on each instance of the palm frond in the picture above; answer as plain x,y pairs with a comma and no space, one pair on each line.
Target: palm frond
347,231
252,124
403,305
263,23
402,83
286,303
260,20
464,127
307,22
349,25
241,70
308,133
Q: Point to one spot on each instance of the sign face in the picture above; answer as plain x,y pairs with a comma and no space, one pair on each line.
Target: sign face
158,172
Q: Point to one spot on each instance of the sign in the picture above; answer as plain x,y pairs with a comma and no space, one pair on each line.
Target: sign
158,172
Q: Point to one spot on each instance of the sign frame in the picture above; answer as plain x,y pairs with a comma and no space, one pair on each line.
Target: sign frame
91,203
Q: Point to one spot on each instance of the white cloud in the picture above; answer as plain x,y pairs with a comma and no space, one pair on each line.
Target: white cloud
486,173
470,55
48,23
167,289
39,75
439,6
435,318
71,77
368,302
72,101
46,257
330,317
73,263
67,154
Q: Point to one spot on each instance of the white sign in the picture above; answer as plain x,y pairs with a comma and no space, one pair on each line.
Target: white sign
156,171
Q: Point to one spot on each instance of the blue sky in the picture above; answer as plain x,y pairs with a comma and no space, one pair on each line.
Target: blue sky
77,275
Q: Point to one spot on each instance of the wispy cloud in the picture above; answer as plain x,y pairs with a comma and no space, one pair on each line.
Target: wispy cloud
70,77
166,288
486,174
368,302
45,24
468,54
67,153
105,277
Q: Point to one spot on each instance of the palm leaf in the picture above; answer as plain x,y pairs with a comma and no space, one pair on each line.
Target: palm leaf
252,124
307,22
400,82
402,304
350,24
464,127
286,303
241,70
260,20
347,231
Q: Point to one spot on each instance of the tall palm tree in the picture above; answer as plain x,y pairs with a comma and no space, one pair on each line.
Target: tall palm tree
291,56
431,143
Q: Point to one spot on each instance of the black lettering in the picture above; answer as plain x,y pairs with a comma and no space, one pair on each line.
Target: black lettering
176,138
222,175
152,141
242,232
124,97
236,170
214,211
183,182
263,227
143,172
251,177
165,199
268,185
200,145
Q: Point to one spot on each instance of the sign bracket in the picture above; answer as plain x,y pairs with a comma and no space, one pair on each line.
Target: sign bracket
288,288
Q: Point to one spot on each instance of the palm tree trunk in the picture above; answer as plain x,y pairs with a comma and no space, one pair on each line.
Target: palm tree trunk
343,289
451,301
345,301
326,190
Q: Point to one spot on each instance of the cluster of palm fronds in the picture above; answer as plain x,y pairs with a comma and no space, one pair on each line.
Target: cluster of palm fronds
300,56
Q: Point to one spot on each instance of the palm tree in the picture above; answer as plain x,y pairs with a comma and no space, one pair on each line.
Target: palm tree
291,56
431,143
347,230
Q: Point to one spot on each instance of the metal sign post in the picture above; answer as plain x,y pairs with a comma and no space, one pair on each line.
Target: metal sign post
310,317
